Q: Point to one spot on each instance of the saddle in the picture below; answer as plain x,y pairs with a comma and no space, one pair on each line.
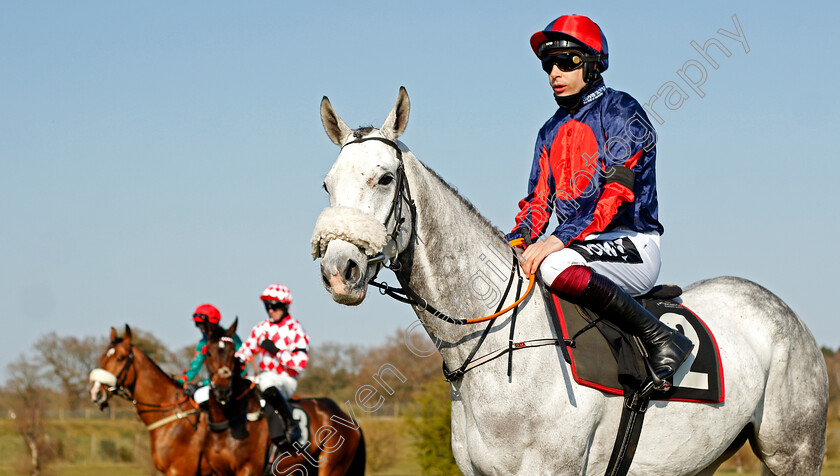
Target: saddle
603,357
299,415
301,418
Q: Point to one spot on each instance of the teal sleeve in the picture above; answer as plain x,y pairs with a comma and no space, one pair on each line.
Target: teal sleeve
237,343
198,361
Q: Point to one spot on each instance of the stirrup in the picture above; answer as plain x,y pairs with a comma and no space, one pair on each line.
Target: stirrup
655,383
281,441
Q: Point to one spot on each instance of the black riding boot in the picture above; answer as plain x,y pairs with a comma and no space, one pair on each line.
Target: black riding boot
277,402
666,348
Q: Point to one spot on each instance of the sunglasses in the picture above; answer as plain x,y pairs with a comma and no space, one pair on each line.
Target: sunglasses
203,317
564,61
274,306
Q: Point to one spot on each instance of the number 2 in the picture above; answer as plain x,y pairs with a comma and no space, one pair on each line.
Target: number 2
685,377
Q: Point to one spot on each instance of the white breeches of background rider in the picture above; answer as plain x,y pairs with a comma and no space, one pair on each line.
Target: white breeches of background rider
633,267
287,385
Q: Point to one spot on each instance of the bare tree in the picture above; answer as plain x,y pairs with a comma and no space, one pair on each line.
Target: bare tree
26,388
70,359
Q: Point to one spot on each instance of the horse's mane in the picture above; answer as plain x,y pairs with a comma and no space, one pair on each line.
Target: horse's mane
463,200
119,340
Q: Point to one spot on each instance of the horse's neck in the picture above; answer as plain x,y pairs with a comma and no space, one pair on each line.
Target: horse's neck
461,264
151,386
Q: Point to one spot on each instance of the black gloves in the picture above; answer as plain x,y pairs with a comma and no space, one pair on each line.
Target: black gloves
268,346
190,389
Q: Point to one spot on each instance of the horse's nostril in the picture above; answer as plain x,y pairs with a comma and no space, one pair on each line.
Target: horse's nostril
351,273
325,280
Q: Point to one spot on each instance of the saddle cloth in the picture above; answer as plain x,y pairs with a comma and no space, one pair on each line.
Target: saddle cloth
611,360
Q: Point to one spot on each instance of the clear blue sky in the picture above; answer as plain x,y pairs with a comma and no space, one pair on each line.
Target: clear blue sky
158,155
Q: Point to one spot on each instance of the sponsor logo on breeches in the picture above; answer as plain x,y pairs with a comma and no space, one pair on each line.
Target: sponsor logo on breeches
619,250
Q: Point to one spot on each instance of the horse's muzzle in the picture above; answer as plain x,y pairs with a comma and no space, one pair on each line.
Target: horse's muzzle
344,271
99,395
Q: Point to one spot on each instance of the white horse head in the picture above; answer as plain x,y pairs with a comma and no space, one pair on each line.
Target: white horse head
369,219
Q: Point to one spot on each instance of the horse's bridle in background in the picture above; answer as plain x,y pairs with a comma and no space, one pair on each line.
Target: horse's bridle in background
121,390
119,387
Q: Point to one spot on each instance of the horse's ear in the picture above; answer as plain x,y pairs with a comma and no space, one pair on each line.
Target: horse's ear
113,335
127,335
232,329
337,129
397,119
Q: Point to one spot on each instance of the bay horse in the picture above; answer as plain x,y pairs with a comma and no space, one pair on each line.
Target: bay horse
177,429
335,446
386,206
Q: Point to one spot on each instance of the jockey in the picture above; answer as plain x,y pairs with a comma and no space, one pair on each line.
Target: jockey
284,348
206,318
594,166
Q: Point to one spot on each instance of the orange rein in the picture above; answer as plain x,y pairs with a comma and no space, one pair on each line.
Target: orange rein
246,390
531,280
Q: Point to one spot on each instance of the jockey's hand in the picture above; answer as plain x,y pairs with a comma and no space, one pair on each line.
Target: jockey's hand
268,346
190,389
536,253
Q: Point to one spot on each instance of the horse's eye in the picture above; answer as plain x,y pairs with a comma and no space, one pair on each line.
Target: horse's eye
120,358
386,179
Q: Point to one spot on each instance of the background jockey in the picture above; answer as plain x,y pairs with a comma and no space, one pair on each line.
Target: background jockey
283,346
594,166
206,318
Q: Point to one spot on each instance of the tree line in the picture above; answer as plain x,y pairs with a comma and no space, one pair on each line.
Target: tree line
55,376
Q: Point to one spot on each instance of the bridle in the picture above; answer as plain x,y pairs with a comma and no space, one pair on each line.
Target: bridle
122,390
119,388
402,193
405,294
229,371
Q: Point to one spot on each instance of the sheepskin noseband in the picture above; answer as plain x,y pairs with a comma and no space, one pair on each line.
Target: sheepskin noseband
351,225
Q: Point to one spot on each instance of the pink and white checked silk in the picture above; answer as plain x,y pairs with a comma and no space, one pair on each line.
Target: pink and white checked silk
288,335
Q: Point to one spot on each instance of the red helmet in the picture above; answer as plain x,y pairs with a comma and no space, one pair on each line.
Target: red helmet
207,312
572,31
277,292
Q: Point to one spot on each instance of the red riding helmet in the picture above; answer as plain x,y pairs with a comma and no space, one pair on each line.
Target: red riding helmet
207,312
572,31
277,292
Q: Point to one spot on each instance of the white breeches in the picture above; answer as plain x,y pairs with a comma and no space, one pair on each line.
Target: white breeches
628,258
287,385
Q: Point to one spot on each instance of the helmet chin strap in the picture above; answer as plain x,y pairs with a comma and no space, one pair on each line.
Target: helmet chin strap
573,102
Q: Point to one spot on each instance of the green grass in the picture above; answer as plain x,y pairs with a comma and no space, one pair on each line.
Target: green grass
386,439
87,470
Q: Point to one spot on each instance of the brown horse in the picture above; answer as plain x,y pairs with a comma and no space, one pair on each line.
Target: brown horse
176,428
335,445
